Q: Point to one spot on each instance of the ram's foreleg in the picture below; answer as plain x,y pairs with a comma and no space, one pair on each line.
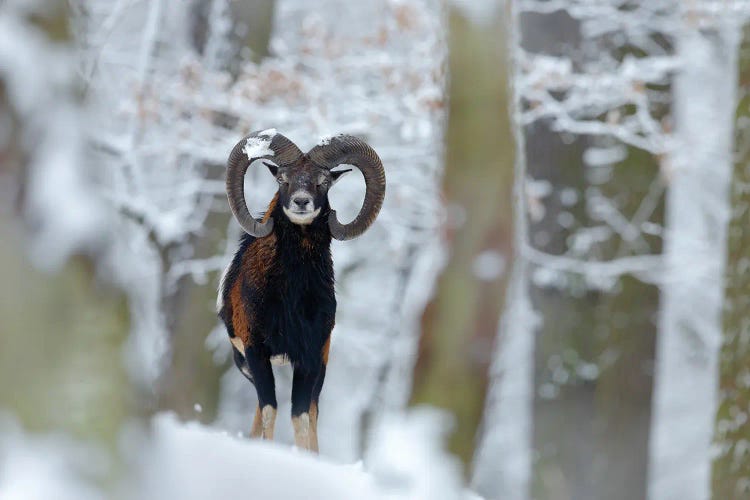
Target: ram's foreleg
263,422
259,366
314,406
304,412
306,387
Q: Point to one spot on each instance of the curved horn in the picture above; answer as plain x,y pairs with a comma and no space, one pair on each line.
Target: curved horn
266,144
353,151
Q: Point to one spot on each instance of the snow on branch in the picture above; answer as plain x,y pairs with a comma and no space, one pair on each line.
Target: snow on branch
616,99
593,103
647,267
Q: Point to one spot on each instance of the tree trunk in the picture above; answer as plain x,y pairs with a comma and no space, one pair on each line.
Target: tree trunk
502,463
59,331
695,247
228,32
731,468
460,322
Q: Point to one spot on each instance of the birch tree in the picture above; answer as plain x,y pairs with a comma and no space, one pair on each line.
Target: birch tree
731,466
700,170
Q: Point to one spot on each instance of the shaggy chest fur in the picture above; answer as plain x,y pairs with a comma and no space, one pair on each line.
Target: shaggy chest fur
279,292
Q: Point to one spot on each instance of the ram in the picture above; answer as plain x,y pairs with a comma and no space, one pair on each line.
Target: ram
277,297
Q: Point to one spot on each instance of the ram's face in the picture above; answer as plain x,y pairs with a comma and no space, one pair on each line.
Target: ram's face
303,190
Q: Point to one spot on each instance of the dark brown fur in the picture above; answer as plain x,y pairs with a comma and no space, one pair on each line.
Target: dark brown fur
255,265
278,299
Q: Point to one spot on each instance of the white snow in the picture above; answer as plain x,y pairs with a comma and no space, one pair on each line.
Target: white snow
407,461
601,156
326,140
503,458
538,188
488,265
257,147
269,132
568,197
46,467
194,462
191,461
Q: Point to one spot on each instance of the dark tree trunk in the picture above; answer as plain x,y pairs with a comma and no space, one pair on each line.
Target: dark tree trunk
460,322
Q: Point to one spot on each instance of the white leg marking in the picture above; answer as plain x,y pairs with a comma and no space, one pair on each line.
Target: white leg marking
268,419
302,435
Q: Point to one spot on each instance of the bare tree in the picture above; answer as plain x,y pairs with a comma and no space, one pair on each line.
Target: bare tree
731,468
699,174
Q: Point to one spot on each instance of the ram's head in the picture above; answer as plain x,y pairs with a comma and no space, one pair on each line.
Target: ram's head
304,180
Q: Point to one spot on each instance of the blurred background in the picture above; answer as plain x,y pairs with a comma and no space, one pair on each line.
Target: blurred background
554,302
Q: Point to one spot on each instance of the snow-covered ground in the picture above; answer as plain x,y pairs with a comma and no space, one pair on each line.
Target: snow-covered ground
46,467
173,459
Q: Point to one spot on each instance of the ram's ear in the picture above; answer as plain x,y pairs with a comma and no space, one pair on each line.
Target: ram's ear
335,176
272,168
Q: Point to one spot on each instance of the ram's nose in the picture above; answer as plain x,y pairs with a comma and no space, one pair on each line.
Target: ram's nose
301,202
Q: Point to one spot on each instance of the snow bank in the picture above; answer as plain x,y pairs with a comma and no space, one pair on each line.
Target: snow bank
407,460
46,468
191,461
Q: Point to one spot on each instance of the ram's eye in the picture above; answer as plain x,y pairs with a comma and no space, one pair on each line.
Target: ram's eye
281,180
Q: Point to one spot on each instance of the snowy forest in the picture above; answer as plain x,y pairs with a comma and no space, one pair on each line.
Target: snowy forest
553,303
